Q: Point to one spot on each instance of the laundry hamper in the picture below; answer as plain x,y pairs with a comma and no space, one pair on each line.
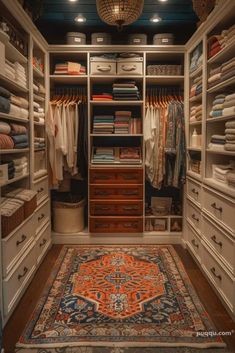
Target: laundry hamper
68,217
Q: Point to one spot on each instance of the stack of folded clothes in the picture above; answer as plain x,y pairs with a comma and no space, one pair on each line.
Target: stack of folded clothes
19,107
228,69
196,59
10,167
196,113
135,126
20,75
21,166
130,155
223,105
103,155
39,142
214,77
10,71
38,113
220,41
103,124
217,142
69,68
5,103
122,122
13,136
196,88
6,141
230,136
39,88
102,97
126,90
220,171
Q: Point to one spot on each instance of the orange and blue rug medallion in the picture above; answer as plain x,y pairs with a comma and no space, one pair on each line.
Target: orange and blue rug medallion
119,296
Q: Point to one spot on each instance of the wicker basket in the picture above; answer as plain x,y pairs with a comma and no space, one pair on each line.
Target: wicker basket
202,8
12,220
29,197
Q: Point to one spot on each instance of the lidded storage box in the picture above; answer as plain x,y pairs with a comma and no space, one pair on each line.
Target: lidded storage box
163,39
130,66
137,39
100,39
103,66
75,38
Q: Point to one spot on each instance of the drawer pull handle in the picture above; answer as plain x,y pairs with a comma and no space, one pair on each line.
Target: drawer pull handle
215,275
23,237
102,208
128,67
220,209
104,68
130,225
43,242
40,190
216,241
130,208
193,241
102,177
98,225
194,191
135,192
195,218
100,192
129,177
41,217
23,274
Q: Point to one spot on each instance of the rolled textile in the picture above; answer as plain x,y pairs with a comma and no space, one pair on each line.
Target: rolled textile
17,129
9,74
4,105
4,92
5,128
35,88
6,142
228,104
230,137
228,111
216,113
229,147
42,89
19,161
18,139
230,124
230,97
36,105
21,145
230,131
24,113
215,71
228,66
214,78
221,95
218,106
14,110
218,101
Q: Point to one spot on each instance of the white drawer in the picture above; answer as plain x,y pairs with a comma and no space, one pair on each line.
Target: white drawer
221,243
194,242
41,186
14,246
42,215
194,191
220,209
104,68
129,68
17,281
43,241
194,216
222,282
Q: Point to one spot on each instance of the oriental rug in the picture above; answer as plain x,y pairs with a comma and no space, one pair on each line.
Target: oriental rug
118,296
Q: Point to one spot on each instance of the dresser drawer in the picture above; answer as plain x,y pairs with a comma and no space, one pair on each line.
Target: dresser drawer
17,281
43,242
42,215
116,192
220,209
222,282
194,243
116,208
116,225
221,243
194,191
120,176
41,186
194,216
14,246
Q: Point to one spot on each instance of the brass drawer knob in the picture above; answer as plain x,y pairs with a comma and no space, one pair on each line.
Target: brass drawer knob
216,241
213,271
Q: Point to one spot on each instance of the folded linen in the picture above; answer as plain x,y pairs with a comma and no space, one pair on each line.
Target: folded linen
230,124
14,110
228,111
4,92
229,147
5,128
228,104
19,161
230,137
230,97
215,146
17,129
6,142
230,131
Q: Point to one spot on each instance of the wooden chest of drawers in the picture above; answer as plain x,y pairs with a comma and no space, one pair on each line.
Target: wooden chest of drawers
116,200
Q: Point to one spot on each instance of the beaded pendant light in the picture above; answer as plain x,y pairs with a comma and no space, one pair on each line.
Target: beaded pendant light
119,12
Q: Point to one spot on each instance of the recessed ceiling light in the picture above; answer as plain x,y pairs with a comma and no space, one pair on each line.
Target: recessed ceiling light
80,18
155,18
163,0
72,0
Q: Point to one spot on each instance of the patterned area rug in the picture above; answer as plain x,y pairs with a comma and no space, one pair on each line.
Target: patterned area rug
135,296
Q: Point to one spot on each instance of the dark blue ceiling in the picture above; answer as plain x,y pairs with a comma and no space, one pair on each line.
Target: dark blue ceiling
57,18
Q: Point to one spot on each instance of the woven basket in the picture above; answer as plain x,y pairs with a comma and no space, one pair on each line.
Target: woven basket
202,8
68,217
8,224
29,205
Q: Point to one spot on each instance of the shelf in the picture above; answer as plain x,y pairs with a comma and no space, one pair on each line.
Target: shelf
38,98
39,174
164,79
11,151
196,98
11,181
12,53
117,165
39,124
194,175
220,118
192,123
157,232
11,85
158,216
194,149
39,149
117,135
196,72
38,73
221,85
223,55
12,117
69,78
220,186
113,102
113,78
226,153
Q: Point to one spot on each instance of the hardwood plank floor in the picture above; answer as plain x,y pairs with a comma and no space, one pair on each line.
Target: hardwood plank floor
22,313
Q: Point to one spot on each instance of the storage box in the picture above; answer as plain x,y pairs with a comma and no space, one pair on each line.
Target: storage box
12,215
133,66
68,217
102,66
75,38
137,39
29,198
163,39
161,206
100,39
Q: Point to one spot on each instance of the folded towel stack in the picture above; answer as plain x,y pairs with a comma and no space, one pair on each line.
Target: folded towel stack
196,58
130,155
196,87
38,88
69,68
103,155
13,136
5,96
103,124
126,90
102,97
16,167
221,73
214,77
38,113
220,41
122,122
39,142
16,72
230,135
217,142
224,173
223,105
196,113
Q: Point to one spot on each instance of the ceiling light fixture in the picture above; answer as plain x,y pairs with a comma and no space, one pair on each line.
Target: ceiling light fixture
80,18
72,0
119,12
163,0
155,18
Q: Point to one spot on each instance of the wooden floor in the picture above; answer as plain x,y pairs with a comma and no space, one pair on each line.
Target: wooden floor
25,308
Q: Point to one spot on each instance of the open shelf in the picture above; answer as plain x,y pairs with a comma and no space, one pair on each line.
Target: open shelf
226,153
194,175
113,78
38,73
113,102
117,165
224,54
12,85
164,79
159,216
220,186
194,149
117,135
197,98
12,53
12,117
221,85
196,72
14,180
14,150
192,123
220,118
69,78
